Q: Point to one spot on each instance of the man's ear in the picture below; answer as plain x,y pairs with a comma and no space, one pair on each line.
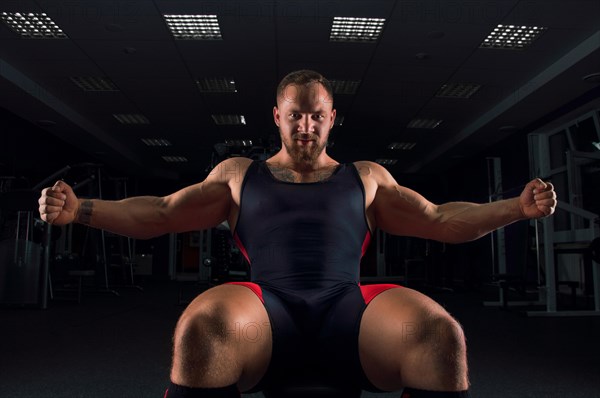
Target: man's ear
333,114
276,115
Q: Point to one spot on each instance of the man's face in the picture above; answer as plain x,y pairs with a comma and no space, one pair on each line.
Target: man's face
304,115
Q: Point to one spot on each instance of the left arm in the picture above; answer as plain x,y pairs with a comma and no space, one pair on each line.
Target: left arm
401,211
464,221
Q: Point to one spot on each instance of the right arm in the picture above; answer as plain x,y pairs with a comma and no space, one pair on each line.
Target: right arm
195,207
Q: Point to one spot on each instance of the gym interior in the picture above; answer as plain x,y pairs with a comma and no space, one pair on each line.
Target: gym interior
459,100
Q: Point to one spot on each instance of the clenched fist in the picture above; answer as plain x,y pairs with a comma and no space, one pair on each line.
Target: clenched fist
58,204
538,199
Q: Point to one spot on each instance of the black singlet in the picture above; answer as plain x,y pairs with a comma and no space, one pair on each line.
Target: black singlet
304,243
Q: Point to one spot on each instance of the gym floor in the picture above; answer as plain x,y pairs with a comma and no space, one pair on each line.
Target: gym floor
119,346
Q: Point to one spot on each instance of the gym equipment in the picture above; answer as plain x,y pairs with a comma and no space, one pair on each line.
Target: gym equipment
92,253
562,153
121,250
504,279
50,180
24,254
595,248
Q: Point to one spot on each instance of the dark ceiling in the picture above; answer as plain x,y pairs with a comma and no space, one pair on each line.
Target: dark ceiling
424,45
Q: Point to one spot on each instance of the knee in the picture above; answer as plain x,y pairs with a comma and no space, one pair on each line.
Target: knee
210,341
439,334
202,332
448,337
438,345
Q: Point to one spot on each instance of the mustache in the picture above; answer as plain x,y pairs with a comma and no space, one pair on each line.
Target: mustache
305,136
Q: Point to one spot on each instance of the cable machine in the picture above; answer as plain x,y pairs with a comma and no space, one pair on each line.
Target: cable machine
569,156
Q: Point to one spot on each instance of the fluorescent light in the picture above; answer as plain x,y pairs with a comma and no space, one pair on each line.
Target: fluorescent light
402,146
175,159
156,142
32,25
239,143
229,119
424,123
352,29
131,118
94,84
458,90
512,37
345,86
216,85
386,162
194,27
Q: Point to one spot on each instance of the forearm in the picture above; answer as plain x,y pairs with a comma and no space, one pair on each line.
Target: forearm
138,217
463,221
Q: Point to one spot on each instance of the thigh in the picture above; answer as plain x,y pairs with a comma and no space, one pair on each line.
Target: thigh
241,314
390,332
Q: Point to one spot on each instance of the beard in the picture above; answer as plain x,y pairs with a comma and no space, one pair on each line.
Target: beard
305,154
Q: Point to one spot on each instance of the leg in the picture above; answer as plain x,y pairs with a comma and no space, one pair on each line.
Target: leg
222,338
407,340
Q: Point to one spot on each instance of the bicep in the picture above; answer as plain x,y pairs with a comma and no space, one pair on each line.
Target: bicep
402,211
200,206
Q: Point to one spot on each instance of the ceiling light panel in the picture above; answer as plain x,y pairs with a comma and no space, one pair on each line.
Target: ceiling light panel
458,90
194,27
131,118
424,123
216,85
32,25
386,162
402,146
156,142
239,143
344,86
94,84
512,37
175,159
361,30
229,119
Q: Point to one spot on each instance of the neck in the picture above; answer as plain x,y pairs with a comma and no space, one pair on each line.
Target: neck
302,173
284,160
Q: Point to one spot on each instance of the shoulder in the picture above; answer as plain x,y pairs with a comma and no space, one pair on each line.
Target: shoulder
374,177
230,169
373,171
236,162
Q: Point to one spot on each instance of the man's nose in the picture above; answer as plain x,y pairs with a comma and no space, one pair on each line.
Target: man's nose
306,124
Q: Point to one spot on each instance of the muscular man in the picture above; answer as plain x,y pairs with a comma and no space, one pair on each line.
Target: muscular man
303,221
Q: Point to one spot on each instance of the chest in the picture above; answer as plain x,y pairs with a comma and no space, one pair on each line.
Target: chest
335,199
281,193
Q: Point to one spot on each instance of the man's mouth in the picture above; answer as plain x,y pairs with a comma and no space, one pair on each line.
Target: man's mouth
304,138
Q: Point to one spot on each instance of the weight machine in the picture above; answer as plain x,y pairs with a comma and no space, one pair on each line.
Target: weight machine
566,244
100,252
24,248
568,156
